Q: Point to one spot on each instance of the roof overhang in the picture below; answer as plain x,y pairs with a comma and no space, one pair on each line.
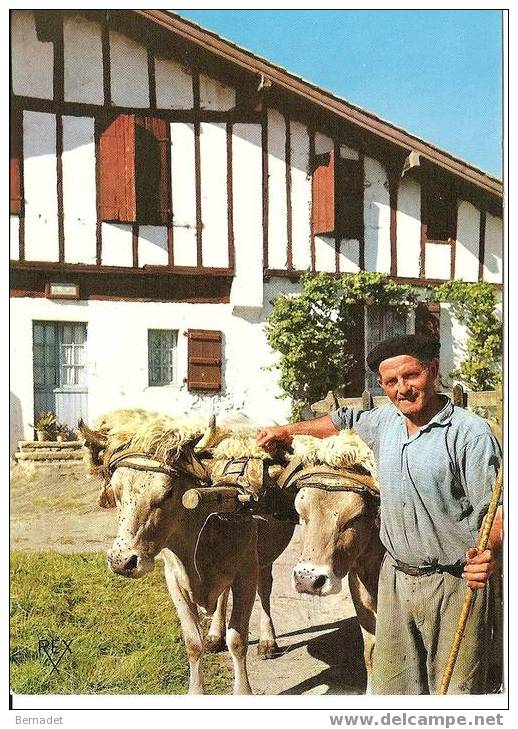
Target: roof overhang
323,99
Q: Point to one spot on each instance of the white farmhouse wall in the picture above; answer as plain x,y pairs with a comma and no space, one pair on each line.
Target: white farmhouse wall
453,345
468,235
32,60
117,244
79,200
247,286
123,339
437,260
14,237
323,143
40,186
216,96
277,208
83,60
300,197
152,245
213,156
493,249
349,258
376,217
173,85
408,228
325,256
183,189
129,71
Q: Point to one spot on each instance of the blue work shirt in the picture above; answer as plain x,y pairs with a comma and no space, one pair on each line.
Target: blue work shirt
435,485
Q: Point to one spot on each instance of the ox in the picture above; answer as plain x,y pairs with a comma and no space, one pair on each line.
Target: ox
147,473
337,501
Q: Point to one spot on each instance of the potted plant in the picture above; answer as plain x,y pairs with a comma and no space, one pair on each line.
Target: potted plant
62,432
44,425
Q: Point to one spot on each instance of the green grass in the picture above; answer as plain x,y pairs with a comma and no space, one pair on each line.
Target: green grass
126,638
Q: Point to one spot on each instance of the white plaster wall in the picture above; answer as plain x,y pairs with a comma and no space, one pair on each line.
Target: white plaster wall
453,345
466,256
325,258
277,211
493,249
409,228
83,60
14,237
117,372
437,260
247,286
40,186
376,217
32,61
300,197
79,200
152,245
349,258
183,188
323,144
215,95
129,71
173,85
214,203
117,244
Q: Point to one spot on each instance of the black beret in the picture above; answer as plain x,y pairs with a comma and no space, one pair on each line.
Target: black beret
415,345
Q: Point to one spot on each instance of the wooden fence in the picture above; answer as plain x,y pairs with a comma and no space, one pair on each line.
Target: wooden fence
489,404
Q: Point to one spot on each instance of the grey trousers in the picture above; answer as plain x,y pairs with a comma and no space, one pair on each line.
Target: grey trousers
416,622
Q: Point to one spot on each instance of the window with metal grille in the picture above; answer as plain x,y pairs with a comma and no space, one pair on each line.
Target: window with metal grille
162,344
59,352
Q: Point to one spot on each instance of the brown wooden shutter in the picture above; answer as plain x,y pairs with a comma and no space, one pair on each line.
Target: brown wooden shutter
204,359
152,170
428,319
323,194
15,164
117,170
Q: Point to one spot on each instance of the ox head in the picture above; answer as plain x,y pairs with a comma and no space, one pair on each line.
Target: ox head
149,505
337,526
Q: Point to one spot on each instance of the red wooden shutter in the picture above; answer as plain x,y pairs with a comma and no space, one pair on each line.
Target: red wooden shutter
205,357
428,319
15,163
152,171
117,170
323,192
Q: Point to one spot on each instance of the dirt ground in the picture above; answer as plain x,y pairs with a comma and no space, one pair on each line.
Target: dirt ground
53,508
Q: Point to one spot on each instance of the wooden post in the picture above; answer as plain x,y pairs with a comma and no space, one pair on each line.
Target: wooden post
367,401
459,396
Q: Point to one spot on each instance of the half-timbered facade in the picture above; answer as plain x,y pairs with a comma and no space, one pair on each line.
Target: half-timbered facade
166,185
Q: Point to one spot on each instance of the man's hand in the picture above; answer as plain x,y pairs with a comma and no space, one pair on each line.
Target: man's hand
271,438
479,567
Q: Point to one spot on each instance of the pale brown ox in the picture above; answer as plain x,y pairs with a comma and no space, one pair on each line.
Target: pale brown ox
205,554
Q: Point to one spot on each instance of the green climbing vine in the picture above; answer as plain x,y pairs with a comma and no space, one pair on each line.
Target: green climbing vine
474,305
312,330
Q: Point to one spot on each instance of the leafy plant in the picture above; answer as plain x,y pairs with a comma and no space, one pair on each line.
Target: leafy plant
313,329
474,305
46,421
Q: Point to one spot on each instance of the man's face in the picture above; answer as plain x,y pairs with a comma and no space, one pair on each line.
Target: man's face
408,383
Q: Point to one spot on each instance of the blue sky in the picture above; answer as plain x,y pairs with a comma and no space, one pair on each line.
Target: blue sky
436,73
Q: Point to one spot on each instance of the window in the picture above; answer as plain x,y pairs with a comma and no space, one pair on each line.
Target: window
59,354
381,322
337,191
162,344
133,170
439,210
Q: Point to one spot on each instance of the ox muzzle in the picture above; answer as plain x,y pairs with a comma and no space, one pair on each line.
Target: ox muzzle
314,579
129,563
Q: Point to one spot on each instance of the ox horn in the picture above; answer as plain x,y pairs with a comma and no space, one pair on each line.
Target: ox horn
92,437
207,438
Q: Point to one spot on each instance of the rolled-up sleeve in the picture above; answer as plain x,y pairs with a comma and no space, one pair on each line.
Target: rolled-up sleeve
364,422
479,464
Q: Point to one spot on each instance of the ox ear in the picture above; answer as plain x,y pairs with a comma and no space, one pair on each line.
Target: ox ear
190,461
93,438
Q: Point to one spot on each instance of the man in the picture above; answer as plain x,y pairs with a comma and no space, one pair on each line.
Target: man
437,464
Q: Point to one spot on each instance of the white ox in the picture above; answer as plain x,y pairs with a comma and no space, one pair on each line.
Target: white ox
205,554
340,531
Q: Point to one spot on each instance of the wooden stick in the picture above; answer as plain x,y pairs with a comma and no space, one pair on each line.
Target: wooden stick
466,606
222,498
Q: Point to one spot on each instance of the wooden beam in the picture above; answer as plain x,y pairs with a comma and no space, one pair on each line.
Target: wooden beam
197,166
59,191
105,42
481,245
289,207
230,201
